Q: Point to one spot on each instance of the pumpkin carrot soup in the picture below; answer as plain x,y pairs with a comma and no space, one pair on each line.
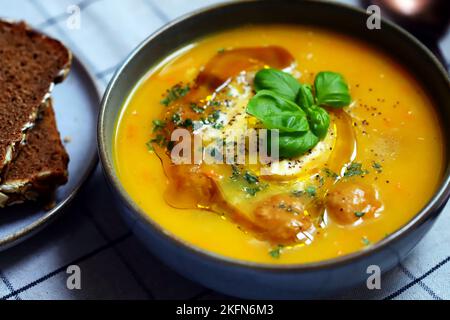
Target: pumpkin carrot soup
358,146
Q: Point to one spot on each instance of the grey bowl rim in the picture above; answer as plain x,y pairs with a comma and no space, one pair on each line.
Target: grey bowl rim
429,211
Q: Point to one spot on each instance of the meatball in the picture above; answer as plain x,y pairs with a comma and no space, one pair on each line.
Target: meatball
281,218
350,201
189,187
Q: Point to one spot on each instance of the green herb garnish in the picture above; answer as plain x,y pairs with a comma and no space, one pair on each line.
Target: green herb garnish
159,140
321,181
319,119
248,181
276,252
377,166
149,145
296,110
365,241
213,120
293,144
331,90
235,172
276,112
277,81
217,125
158,125
250,177
188,123
330,173
311,191
355,169
214,103
359,214
252,191
196,108
176,119
176,92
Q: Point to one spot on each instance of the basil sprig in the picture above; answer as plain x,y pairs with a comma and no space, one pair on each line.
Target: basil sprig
293,144
277,81
319,119
331,90
276,112
296,109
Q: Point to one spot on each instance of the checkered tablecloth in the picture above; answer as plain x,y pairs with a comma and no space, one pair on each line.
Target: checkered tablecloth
114,265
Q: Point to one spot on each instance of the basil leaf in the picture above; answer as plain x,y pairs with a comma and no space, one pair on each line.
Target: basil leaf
331,90
277,81
305,98
275,112
319,121
294,144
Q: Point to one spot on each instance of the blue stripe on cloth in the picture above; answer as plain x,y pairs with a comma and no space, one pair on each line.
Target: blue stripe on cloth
64,268
134,274
157,10
421,284
9,285
415,281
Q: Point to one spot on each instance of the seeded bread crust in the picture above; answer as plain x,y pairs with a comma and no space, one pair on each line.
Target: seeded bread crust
40,166
30,64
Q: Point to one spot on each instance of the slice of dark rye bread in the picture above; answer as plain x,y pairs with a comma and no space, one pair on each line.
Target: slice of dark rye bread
40,166
30,64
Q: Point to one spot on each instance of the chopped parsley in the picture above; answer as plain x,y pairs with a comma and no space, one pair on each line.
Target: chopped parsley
196,108
176,92
248,181
149,145
176,119
359,214
330,174
159,140
214,103
212,120
377,166
250,177
217,125
365,241
235,172
158,125
355,169
321,181
214,116
252,191
311,191
188,123
276,252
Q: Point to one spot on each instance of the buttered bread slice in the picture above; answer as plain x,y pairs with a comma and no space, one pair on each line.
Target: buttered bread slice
40,166
30,64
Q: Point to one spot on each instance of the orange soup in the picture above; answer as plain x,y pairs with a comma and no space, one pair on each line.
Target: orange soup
361,148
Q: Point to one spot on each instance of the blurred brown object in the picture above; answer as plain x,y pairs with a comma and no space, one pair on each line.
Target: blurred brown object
428,20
